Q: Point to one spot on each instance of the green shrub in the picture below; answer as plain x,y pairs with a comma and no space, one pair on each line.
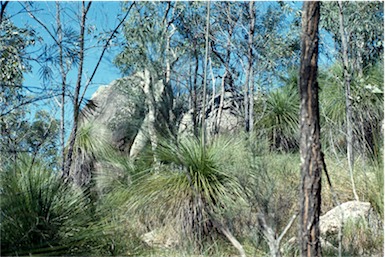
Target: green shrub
38,211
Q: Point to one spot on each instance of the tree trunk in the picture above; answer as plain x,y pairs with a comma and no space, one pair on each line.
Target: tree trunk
227,76
195,91
249,85
251,105
203,133
348,104
63,74
310,146
76,103
221,103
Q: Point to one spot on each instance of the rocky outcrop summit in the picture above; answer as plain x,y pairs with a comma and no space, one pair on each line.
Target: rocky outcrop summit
132,112
223,115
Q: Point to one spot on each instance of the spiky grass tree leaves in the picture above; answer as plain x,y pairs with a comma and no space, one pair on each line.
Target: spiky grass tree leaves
90,144
190,190
37,211
367,105
280,118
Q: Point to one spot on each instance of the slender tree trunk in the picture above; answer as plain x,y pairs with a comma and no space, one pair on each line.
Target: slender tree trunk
195,91
246,102
310,146
221,103
227,74
168,55
213,95
251,105
203,135
76,104
63,74
249,87
348,104
151,103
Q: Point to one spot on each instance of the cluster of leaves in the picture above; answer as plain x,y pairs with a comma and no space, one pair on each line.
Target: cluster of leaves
37,210
189,190
278,111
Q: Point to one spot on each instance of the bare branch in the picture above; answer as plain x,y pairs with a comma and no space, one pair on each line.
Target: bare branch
104,50
41,24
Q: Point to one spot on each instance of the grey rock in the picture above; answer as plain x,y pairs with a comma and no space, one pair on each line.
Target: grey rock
165,237
351,211
231,119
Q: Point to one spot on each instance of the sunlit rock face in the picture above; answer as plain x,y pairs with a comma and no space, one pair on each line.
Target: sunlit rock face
119,111
225,120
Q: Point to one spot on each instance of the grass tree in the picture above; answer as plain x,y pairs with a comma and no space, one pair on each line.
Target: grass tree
38,212
280,118
190,190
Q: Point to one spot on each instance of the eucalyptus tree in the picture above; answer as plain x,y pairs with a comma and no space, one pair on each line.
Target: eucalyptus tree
363,27
65,51
358,36
267,48
13,97
150,48
249,83
191,27
227,15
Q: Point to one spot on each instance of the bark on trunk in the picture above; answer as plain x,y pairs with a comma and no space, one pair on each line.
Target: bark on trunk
195,91
310,146
221,103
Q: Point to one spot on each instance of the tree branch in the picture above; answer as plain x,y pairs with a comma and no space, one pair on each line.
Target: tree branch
104,50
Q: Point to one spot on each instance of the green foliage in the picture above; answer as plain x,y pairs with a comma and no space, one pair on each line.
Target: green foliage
13,43
38,212
363,24
279,119
38,137
190,189
146,33
367,103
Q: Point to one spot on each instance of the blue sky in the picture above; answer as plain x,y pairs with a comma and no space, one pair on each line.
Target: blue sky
102,15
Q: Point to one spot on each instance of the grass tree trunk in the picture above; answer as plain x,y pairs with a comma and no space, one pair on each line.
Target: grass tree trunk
310,146
348,104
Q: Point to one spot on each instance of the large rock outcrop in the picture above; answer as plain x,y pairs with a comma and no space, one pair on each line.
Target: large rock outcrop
127,114
119,111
